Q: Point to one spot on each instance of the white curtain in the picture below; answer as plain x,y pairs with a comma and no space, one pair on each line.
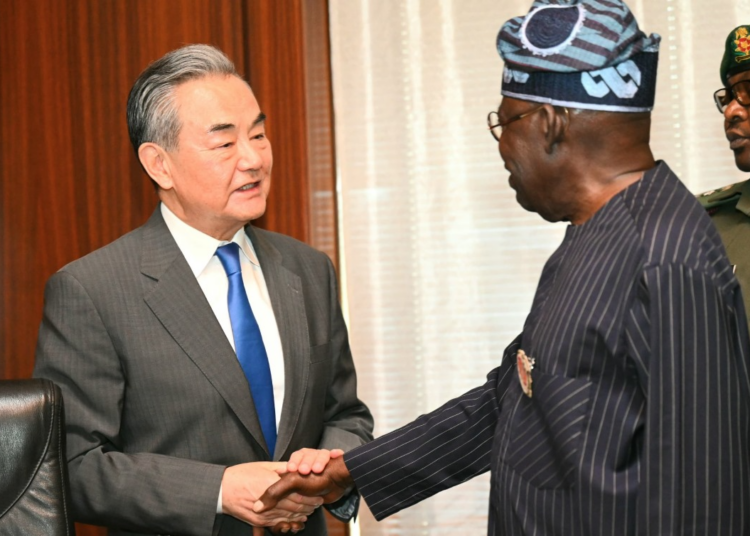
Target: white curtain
439,263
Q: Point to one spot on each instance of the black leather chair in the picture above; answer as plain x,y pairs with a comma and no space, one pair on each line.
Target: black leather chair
33,470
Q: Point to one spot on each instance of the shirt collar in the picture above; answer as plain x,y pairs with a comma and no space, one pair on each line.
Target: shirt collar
199,248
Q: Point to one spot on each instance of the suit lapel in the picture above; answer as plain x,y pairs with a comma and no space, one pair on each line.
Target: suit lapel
180,305
285,291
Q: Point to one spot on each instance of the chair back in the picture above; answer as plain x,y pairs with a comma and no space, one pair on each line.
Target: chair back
34,493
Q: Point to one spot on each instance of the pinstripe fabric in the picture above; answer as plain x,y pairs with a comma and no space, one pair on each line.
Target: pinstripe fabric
639,419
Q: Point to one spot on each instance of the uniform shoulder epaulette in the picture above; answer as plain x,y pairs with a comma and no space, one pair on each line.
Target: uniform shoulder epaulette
721,196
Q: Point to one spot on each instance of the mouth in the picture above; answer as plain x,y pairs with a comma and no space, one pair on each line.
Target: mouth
737,141
250,186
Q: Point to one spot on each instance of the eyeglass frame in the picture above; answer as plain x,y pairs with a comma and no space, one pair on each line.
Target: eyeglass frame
513,119
492,127
730,90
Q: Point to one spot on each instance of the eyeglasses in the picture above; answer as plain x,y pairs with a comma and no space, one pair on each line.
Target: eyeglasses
739,91
496,127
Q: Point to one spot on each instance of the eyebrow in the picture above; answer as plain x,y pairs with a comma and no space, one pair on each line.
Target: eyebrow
220,126
258,120
229,126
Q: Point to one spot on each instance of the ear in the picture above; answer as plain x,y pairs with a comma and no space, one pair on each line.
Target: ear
555,127
155,160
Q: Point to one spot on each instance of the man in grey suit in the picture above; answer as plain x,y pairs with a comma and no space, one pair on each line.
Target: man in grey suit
169,430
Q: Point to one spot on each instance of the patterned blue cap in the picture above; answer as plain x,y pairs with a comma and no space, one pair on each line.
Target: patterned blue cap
580,53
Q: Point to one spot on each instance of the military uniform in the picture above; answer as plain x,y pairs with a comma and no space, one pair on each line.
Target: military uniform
729,208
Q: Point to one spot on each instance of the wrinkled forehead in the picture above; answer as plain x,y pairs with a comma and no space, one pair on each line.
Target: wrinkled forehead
222,91
204,103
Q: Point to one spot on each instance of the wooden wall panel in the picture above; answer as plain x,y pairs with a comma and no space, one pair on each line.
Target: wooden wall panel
293,87
320,129
69,180
67,68
279,85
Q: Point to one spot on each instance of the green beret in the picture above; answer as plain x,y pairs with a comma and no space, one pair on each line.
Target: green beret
736,53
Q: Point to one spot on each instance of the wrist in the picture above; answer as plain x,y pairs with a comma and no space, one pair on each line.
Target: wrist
340,474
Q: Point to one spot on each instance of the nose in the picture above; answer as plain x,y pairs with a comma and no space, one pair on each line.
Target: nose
735,112
250,157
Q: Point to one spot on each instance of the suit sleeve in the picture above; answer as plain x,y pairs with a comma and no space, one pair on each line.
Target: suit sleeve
435,452
695,472
348,422
74,350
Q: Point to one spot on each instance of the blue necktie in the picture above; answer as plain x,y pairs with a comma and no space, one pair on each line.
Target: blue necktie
248,344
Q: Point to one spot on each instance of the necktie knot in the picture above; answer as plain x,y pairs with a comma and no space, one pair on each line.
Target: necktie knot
229,255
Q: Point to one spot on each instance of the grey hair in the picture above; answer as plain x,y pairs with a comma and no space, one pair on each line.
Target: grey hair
152,114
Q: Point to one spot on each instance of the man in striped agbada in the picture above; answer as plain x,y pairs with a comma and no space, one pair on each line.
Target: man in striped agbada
623,406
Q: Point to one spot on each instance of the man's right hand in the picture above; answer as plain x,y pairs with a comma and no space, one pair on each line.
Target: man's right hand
305,460
242,485
332,484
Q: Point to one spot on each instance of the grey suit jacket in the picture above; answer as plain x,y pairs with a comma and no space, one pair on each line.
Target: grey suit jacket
157,404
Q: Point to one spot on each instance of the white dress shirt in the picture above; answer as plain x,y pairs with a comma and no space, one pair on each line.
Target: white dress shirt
199,250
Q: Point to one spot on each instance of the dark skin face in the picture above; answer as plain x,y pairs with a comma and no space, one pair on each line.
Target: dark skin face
534,160
566,165
737,127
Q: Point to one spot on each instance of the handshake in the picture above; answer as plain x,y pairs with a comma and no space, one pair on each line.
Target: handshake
280,495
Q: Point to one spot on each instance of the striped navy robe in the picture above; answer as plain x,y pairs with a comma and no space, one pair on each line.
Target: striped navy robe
638,421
